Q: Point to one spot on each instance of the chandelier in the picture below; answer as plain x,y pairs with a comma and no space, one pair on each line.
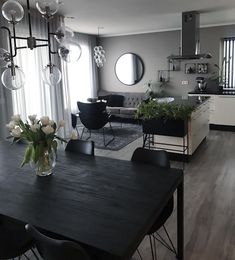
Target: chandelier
13,77
99,53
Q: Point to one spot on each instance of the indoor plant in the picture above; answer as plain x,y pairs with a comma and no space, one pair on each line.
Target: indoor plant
41,138
218,75
164,118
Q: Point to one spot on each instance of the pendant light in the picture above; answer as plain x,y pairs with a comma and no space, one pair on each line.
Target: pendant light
99,53
13,77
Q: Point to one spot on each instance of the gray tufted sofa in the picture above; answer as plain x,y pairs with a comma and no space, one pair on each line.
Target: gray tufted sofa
129,105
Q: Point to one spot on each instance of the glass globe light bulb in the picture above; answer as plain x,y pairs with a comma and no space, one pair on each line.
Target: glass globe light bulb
51,75
47,7
12,11
13,82
70,51
4,57
63,33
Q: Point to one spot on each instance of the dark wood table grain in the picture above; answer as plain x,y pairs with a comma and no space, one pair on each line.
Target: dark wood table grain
103,203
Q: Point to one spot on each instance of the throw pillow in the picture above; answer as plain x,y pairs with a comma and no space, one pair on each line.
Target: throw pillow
115,100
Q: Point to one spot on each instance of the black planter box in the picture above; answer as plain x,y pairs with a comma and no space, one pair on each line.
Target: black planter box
169,127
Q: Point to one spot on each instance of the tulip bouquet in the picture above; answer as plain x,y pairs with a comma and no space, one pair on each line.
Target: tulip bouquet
41,136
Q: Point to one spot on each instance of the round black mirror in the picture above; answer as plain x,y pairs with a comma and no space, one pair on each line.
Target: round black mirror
129,69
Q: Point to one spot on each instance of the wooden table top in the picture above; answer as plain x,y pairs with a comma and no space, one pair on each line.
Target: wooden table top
104,203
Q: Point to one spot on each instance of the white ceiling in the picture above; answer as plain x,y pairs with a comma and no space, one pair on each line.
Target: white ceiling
120,17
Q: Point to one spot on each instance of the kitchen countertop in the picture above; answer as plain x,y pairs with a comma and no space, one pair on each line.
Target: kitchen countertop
190,101
212,93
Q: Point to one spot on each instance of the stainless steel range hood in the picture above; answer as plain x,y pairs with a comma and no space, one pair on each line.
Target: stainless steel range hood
190,38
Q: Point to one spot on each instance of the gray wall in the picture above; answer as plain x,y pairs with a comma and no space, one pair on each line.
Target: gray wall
153,48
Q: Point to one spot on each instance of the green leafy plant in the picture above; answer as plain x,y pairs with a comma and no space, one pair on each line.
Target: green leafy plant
40,134
152,109
218,74
155,89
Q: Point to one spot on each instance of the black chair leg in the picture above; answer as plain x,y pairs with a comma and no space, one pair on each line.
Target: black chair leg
104,136
34,254
105,144
161,240
82,132
151,246
26,257
140,256
112,130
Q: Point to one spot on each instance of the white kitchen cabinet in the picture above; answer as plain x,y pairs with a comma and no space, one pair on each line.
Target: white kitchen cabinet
222,110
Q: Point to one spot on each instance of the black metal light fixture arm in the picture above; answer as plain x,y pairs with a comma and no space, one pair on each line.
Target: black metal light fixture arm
9,40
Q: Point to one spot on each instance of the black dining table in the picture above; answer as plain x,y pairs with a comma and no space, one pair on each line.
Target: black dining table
106,205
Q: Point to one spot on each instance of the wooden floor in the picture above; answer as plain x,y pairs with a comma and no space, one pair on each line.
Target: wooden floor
209,200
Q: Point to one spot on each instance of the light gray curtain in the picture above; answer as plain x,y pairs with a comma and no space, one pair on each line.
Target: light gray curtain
37,97
81,77
5,95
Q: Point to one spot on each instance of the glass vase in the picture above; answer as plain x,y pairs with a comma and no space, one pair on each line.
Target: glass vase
45,164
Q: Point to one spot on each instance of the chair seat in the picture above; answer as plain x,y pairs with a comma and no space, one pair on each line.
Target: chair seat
165,214
14,240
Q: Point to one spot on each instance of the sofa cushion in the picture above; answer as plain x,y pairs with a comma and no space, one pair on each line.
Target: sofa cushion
115,100
128,110
113,110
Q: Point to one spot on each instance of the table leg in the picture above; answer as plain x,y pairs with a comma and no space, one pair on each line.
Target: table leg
180,221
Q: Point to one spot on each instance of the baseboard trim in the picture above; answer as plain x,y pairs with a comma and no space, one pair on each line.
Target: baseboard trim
229,128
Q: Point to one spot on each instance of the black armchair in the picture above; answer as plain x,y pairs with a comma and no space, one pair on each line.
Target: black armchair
159,159
94,117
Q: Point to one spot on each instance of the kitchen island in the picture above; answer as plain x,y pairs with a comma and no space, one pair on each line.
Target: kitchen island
197,129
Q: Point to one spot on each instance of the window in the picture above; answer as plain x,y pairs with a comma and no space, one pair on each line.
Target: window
228,72
34,97
79,78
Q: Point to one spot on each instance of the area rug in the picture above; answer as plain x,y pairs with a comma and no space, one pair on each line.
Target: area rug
124,135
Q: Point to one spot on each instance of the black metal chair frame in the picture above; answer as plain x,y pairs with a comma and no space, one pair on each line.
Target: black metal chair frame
103,132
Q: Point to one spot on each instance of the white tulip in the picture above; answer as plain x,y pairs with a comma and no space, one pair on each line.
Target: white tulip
45,120
34,127
16,132
74,135
32,118
51,122
16,118
61,123
11,125
48,129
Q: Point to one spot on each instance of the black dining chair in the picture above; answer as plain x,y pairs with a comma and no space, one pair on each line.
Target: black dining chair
14,240
74,118
158,158
94,117
81,147
54,249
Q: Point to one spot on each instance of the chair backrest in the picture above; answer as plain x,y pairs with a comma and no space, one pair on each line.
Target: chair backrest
92,108
93,115
53,249
74,120
81,147
158,158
